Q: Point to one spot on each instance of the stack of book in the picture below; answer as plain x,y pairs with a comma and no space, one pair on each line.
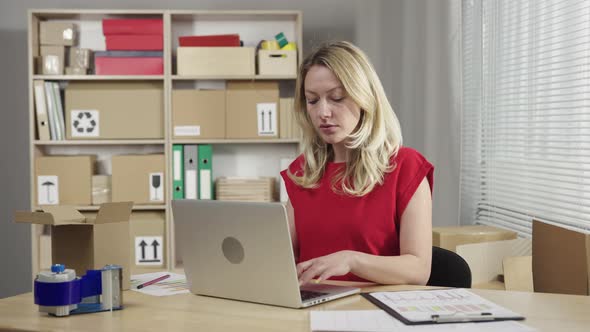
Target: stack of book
253,189
134,47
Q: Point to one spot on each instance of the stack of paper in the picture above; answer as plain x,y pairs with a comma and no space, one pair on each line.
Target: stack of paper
255,189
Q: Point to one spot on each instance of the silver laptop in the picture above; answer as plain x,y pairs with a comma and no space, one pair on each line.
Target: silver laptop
242,251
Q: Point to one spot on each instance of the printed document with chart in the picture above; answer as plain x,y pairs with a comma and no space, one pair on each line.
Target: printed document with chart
439,306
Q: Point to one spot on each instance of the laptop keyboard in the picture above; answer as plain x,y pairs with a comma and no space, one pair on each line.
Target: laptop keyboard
307,295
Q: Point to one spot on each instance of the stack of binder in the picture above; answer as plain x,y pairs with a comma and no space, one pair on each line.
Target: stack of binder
48,111
192,171
256,189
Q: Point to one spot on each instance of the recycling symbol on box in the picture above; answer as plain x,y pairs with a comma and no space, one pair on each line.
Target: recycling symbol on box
85,123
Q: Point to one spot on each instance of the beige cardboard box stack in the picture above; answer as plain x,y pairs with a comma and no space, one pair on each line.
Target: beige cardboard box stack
288,126
257,189
114,110
149,227
53,38
64,180
139,178
450,237
215,61
252,109
277,62
561,260
82,243
198,113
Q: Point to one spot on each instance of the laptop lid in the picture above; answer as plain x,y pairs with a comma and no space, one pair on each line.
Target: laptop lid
237,250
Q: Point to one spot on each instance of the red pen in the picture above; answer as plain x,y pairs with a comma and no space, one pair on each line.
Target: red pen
147,283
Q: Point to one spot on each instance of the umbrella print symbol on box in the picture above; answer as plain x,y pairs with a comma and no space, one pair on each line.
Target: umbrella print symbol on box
47,190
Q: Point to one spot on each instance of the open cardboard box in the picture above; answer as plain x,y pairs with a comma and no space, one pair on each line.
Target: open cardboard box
561,260
85,244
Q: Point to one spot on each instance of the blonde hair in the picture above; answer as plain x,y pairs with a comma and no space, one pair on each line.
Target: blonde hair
374,141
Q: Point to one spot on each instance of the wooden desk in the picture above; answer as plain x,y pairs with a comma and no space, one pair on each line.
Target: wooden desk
546,312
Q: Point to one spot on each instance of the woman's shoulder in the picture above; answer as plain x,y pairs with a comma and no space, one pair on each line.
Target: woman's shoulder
405,153
296,165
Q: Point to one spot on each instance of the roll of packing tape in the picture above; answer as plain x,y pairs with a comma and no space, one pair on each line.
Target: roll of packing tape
290,47
270,45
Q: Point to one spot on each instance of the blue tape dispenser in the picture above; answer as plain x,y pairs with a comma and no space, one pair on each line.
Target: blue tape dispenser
60,293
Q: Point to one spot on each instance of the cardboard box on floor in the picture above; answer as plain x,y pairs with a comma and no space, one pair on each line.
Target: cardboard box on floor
147,241
138,178
64,180
198,113
252,110
561,260
83,243
450,237
114,110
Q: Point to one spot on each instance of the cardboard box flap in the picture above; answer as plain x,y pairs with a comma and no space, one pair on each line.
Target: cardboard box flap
113,212
51,215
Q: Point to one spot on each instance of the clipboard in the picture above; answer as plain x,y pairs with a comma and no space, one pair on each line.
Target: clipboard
439,306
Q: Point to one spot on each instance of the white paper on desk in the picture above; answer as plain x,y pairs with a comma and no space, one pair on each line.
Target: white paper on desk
176,284
380,321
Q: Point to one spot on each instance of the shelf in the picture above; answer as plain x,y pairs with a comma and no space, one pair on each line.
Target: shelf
100,142
98,77
96,207
233,77
237,141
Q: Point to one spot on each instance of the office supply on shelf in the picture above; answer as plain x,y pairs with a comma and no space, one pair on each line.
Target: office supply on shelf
380,321
228,40
178,170
41,110
175,284
191,179
439,306
205,182
151,282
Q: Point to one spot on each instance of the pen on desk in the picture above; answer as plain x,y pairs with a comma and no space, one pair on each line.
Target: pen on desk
151,282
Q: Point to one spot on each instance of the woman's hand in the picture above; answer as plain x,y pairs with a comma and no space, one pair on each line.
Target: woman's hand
336,264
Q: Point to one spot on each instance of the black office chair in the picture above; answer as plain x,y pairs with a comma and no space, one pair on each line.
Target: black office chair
449,269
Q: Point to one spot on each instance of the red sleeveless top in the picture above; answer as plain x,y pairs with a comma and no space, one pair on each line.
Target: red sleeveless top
327,222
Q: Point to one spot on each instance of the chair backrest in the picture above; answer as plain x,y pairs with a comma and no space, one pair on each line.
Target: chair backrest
449,269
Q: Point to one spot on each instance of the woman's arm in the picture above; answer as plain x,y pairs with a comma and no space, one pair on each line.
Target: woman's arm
292,231
411,267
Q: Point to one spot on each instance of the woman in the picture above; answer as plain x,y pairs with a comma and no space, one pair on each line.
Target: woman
360,204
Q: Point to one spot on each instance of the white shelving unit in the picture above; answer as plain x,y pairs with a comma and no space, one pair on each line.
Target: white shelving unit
231,157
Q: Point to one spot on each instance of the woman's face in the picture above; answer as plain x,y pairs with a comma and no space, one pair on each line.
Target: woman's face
333,113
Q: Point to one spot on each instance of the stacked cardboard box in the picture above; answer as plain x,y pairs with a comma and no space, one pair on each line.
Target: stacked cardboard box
256,189
53,38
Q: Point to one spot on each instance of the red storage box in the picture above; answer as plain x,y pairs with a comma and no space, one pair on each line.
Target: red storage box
132,27
134,42
129,65
210,40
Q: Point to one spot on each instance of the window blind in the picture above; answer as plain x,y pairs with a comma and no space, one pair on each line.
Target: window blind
526,113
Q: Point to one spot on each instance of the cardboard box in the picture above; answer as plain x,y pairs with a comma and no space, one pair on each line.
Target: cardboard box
76,71
57,33
198,113
83,243
252,109
52,60
561,260
101,189
114,110
147,241
215,61
486,259
277,62
450,237
64,180
139,178
79,57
